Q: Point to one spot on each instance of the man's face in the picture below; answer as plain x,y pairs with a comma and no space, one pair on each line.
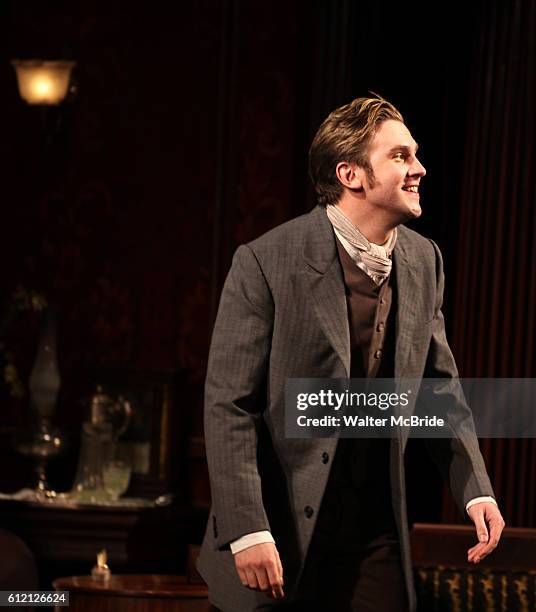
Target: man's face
397,172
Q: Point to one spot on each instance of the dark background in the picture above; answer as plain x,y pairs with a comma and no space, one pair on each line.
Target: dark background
189,135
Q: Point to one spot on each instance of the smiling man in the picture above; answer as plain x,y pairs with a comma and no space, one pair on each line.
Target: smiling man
321,524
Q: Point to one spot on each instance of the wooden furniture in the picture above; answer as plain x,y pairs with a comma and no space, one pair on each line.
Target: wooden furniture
505,580
134,593
65,539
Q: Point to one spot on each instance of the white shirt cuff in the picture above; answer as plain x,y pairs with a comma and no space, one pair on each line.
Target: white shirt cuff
251,539
479,500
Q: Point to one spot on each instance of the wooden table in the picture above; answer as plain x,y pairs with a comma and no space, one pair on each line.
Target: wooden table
134,593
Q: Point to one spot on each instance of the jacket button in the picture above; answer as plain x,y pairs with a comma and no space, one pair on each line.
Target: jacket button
378,354
308,511
325,457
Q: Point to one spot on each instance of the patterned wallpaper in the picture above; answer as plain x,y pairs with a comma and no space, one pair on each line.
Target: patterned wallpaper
114,219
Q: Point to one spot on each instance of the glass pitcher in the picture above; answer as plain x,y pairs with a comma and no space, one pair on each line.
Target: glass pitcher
108,419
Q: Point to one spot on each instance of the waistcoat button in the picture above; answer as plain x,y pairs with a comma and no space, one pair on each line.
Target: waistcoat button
325,457
308,511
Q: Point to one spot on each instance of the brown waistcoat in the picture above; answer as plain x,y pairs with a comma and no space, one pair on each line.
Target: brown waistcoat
357,502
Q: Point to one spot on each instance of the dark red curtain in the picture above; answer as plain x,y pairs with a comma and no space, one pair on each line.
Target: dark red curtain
495,290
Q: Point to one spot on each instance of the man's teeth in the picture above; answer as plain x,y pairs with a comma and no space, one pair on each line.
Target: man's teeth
413,188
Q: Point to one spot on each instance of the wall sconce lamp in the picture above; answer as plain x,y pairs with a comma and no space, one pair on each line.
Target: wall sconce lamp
43,83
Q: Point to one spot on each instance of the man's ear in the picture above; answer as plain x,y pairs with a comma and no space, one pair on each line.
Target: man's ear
350,176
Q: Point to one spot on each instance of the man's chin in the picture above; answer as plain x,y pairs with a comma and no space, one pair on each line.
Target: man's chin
416,211
412,212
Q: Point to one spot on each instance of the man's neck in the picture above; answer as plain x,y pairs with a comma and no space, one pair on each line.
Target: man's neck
372,226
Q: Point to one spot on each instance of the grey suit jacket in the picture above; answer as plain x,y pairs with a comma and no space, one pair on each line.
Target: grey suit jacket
282,315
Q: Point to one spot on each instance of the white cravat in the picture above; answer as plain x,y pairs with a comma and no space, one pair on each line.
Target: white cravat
373,259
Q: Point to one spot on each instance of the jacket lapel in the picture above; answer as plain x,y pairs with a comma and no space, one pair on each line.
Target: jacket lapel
408,289
326,286
325,282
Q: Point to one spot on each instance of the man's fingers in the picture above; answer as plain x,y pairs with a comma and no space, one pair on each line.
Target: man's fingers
480,524
495,531
475,553
251,578
259,567
280,568
472,550
496,526
262,578
243,577
485,515
275,577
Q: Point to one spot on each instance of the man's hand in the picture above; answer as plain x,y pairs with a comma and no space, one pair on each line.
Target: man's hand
259,567
484,515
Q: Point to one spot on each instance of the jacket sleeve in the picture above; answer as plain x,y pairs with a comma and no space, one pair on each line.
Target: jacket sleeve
235,397
459,458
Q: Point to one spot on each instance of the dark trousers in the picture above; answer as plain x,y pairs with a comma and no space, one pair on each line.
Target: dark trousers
354,563
366,580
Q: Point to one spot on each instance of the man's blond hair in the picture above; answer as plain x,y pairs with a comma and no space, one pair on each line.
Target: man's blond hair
344,136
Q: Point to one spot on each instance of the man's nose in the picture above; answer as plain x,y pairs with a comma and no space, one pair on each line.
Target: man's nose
417,169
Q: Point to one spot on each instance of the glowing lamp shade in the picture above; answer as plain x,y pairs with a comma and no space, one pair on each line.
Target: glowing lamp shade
43,82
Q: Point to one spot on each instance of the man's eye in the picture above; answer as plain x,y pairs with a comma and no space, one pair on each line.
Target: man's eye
400,156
